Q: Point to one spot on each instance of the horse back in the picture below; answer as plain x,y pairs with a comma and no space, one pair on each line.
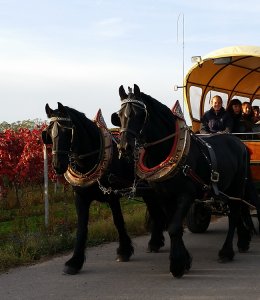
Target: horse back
232,158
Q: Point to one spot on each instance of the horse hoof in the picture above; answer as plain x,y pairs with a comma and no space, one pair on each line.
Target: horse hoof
225,256
177,272
122,258
178,275
152,249
70,270
224,260
188,265
243,250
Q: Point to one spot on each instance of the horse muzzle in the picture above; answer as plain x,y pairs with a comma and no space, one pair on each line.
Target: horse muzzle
60,163
125,149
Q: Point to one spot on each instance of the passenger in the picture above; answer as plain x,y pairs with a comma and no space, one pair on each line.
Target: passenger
256,112
234,109
247,116
216,119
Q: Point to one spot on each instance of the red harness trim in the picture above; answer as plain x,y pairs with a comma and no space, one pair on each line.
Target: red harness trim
145,169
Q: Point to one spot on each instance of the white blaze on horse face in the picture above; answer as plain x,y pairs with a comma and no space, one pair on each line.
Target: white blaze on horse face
54,132
127,110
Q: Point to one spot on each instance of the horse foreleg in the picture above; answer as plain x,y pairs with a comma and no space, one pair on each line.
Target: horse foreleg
157,224
180,259
125,249
75,263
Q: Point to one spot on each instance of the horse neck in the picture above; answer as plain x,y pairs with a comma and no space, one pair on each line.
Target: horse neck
159,126
87,142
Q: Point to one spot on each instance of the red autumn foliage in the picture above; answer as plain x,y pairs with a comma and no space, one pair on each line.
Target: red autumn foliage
21,157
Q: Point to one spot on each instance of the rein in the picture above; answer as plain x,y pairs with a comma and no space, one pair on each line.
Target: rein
147,145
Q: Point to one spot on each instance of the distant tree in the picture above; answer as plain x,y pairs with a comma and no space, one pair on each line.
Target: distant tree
30,124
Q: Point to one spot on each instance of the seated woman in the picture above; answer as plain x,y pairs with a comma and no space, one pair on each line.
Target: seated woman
234,109
216,119
247,116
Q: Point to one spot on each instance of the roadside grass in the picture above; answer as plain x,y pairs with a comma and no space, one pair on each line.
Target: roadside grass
24,239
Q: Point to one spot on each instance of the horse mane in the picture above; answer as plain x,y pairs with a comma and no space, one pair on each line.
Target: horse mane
81,122
161,110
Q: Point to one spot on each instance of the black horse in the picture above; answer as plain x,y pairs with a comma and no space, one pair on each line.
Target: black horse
86,153
182,167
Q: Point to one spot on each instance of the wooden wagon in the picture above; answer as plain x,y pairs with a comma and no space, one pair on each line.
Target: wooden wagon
231,72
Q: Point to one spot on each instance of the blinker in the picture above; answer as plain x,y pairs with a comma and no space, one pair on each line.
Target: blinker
46,137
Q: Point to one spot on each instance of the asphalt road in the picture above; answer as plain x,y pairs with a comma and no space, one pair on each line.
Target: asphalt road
146,276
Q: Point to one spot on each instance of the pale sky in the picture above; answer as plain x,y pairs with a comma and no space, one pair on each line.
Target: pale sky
79,52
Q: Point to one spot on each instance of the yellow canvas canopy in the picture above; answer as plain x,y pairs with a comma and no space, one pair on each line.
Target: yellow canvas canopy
231,72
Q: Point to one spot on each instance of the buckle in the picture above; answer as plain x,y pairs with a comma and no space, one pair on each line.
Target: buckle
185,170
214,176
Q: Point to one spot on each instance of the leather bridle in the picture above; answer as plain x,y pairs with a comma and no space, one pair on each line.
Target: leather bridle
142,105
55,123
138,104
70,153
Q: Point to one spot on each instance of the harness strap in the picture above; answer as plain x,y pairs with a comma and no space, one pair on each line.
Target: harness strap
214,177
187,171
237,199
146,145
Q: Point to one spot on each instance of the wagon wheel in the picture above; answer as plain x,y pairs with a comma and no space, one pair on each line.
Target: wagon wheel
198,218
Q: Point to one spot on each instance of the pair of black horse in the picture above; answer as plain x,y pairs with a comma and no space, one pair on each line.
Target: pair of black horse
178,166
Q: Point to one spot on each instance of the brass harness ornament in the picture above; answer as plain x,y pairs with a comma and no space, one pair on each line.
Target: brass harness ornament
175,160
76,178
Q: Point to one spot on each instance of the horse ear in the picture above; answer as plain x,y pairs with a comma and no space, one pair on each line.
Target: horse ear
115,120
60,107
122,93
48,110
46,137
137,92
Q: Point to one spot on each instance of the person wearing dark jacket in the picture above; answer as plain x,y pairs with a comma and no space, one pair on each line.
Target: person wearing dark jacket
216,119
247,116
234,108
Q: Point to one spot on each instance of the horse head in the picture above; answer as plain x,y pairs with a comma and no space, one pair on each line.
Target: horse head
130,118
59,133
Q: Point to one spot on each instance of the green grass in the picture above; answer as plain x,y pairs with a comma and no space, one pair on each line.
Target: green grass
24,239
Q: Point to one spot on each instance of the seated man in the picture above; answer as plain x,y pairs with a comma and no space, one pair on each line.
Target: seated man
216,119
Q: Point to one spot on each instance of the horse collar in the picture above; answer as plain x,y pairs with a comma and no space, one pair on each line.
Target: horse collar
169,167
83,180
